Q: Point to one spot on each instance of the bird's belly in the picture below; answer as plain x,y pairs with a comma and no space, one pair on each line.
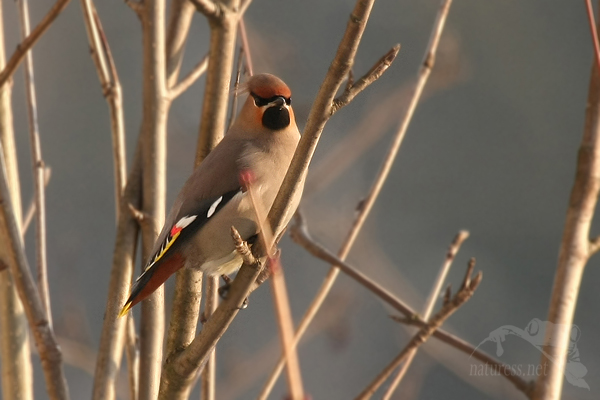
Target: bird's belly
213,250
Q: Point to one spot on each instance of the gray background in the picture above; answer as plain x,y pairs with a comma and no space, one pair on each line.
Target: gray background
491,149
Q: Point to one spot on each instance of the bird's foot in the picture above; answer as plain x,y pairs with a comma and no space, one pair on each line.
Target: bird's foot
224,290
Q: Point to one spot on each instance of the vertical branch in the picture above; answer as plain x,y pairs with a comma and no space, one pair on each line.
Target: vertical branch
188,287
133,357
19,267
246,47
210,371
280,298
111,89
188,283
112,336
180,19
153,130
38,168
218,77
575,248
15,357
111,339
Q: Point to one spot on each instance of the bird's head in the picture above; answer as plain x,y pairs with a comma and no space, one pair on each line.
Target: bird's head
268,104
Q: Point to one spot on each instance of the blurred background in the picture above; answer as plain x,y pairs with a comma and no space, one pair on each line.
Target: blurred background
491,149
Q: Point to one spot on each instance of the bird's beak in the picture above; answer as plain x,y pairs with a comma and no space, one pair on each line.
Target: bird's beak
278,102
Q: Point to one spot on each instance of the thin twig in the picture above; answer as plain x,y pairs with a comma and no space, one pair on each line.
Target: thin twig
429,305
30,40
236,88
112,345
280,296
180,19
463,295
34,309
246,46
354,88
30,213
111,85
592,23
189,79
301,236
37,167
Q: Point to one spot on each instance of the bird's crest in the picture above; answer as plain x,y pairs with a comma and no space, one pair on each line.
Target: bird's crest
266,86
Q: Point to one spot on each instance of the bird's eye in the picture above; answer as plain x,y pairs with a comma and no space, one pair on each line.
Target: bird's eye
259,101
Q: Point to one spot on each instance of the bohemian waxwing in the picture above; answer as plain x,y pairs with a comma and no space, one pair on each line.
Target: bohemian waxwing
197,231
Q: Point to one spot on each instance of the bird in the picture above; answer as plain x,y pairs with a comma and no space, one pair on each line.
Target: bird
197,231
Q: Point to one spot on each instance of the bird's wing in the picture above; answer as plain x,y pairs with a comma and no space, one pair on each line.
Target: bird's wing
210,187
188,221
182,229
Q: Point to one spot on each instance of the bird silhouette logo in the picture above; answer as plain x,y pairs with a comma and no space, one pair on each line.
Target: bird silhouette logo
541,334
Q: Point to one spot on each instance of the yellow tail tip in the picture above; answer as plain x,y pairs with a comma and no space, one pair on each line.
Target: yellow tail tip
125,310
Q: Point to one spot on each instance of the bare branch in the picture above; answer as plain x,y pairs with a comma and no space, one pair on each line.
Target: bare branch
367,204
111,88
209,374
354,88
110,350
592,23
429,304
221,55
320,112
181,368
30,40
17,375
180,19
574,248
34,309
242,247
318,117
189,79
301,236
188,282
463,295
280,296
154,156
246,45
133,357
31,208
